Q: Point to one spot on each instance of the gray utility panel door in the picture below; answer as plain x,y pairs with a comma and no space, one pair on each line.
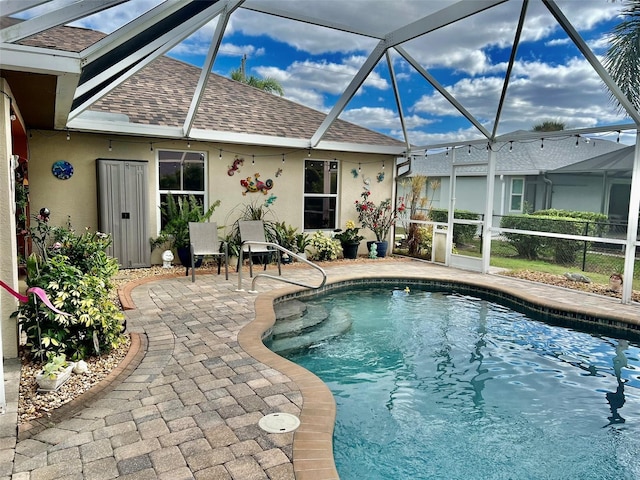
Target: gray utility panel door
123,210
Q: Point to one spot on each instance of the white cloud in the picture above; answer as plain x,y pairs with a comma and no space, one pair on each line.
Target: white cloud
557,42
374,118
321,77
231,50
571,93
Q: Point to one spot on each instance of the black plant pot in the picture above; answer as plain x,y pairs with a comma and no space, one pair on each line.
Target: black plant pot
381,248
350,250
184,254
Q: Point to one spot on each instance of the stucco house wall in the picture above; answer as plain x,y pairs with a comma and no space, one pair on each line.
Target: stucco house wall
75,201
8,271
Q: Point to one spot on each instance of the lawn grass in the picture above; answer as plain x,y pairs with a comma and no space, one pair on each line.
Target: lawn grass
503,255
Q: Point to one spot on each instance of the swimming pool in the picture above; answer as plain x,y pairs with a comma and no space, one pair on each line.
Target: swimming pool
440,385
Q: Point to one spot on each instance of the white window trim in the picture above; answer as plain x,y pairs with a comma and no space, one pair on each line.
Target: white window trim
511,195
322,195
159,192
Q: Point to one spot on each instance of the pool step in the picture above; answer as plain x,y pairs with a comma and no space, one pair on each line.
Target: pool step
295,319
289,310
336,324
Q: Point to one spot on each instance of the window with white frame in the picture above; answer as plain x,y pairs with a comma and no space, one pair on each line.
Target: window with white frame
517,195
320,194
181,173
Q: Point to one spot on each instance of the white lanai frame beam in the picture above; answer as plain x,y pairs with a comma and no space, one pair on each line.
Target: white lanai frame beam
523,136
60,16
229,8
143,57
129,31
11,7
396,93
487,226
512,59
439,19
632,226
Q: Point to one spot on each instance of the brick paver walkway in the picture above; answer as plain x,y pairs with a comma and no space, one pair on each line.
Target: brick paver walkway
188,406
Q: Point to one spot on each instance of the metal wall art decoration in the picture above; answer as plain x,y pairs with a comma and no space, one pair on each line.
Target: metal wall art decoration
256,185
237,163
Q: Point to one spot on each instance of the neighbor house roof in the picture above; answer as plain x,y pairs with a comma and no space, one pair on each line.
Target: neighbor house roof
616,162
530,157
160,94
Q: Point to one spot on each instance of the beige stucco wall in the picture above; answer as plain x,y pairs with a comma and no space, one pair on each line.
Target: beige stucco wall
8,247
76,198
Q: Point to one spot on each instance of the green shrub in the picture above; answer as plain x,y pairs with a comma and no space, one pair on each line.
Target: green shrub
461,233
593,224
76,273
530,246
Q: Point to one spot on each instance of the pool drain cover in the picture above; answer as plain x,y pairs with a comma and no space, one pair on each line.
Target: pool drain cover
279,423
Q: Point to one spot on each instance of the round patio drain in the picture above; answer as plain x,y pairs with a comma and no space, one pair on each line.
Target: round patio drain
279,423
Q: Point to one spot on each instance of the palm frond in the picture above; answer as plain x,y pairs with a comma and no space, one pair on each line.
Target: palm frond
621,58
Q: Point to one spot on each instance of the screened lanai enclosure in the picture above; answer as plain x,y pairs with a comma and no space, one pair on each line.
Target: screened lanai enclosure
447,77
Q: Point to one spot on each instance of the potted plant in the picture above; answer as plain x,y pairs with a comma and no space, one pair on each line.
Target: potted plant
303,240
349,240
286,238
178,213
377,218
54,373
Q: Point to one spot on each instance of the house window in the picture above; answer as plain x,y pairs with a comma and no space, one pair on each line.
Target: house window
320,194
517,194
181,174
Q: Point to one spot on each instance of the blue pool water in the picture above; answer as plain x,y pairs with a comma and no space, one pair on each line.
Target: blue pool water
432,385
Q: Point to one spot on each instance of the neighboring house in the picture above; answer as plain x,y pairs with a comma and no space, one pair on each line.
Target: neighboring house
533,174
121,172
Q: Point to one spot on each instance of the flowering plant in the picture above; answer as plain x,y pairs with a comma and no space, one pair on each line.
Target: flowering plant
324,247
377,218
349,235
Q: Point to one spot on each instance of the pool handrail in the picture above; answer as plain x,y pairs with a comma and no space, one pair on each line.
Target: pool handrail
279,278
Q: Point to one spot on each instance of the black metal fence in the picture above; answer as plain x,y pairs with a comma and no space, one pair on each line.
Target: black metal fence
587,256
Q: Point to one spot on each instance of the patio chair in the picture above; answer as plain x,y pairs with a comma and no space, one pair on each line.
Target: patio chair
253,230
203,240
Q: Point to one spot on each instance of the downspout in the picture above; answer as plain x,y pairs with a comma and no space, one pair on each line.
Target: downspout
408,162
548,191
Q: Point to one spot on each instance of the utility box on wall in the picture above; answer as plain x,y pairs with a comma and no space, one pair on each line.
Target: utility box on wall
123,209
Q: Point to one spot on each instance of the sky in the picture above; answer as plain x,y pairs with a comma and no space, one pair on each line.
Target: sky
550,79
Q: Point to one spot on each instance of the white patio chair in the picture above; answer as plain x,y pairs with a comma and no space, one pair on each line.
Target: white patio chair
203,240
253,230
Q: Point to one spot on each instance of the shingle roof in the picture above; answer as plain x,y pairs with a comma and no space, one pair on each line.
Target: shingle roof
525,158
160,95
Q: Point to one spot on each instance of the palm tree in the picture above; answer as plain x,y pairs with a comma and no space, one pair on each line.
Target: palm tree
549,126
267,84
621,58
